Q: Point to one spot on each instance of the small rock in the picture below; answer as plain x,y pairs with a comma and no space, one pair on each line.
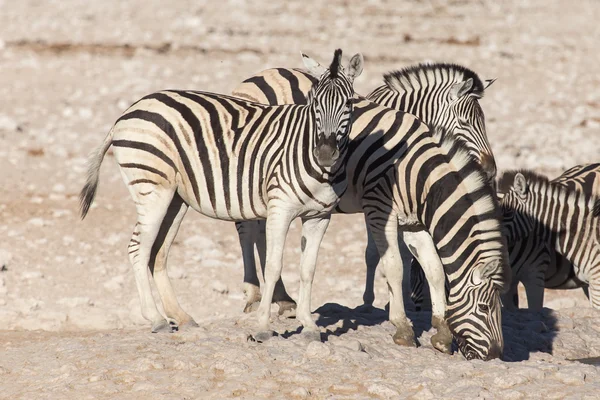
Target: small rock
114,284
5,258
509,380
511,395
31,275
434,373
177,273
300,393
7,123
424,393
382,390
146,386
75,301
219,287
228,367
317,350
570,377
37,222
351,344
58,188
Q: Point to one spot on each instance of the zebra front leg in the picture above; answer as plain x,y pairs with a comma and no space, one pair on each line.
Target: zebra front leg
510,299
287,305
423,249
534,284
278,225
313,231
158,264
247,234
386,239
371,259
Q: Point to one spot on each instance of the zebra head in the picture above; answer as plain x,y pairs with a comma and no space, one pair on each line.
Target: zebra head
474,310
466,117
514,194
331,99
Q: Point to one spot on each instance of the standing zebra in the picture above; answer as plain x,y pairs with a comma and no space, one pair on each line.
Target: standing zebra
539,260
435,188
440,94
232,160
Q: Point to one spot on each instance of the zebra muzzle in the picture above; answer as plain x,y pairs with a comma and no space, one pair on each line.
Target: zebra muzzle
326,151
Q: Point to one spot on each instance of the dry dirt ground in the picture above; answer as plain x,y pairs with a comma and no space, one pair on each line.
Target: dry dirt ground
69,312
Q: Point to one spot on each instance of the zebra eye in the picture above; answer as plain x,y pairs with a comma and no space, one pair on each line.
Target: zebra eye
484,308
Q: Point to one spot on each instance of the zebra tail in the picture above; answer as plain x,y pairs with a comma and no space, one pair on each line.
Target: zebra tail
86,197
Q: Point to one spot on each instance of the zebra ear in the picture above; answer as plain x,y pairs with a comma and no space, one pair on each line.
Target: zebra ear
355,66
459,89
487,271
313,67
520,185
488,83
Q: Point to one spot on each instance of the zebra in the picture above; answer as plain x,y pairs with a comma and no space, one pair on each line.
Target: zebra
232,160
554,241
441,94
435,184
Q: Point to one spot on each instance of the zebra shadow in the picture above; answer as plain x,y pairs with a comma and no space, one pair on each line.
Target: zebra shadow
526,331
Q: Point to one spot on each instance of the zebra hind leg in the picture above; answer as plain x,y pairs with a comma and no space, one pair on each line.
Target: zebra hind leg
386,239
150,217
371,260
178,318
424,251
247,233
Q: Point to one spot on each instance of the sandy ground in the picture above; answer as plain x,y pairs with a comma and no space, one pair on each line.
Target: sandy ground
69,310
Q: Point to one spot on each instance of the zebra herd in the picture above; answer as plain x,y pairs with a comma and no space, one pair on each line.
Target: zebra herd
412,156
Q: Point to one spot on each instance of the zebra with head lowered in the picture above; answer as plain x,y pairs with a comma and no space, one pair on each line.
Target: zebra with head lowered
442,95
434,187
233,160
553,232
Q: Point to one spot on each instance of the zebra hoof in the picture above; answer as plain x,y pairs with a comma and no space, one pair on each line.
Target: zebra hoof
251,307
442,341
404,338
162,326
287,309
263,336
311,336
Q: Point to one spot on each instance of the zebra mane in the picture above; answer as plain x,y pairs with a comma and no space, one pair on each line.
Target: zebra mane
508,177
536,179
335,64
417,76
456,150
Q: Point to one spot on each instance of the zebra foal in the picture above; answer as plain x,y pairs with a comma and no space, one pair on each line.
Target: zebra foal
554,239
232,160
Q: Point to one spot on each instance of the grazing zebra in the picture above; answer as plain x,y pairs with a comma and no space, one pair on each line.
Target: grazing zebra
556,254
440,94
233,160
435,189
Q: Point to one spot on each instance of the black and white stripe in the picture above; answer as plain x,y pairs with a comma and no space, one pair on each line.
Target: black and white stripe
233,160
554,239
420,186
